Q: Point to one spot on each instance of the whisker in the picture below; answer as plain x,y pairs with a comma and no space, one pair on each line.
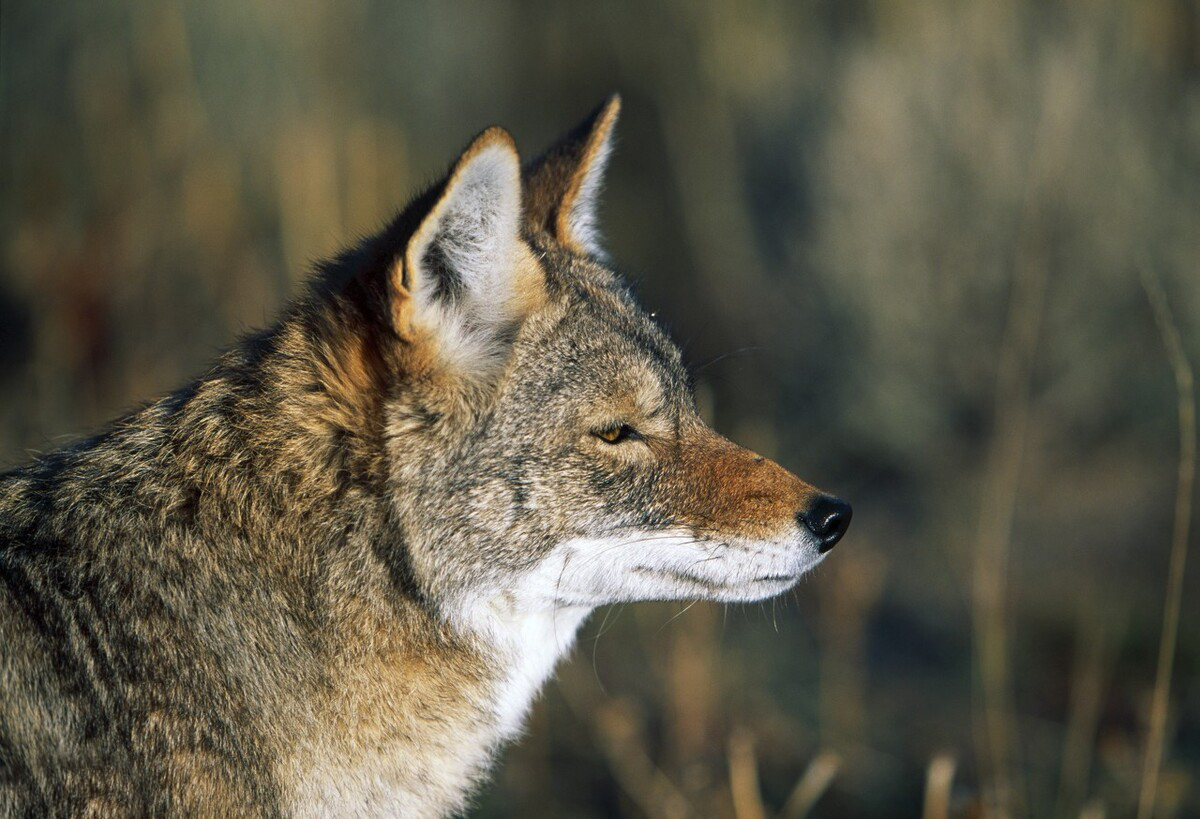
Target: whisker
596,642
748,349
676,616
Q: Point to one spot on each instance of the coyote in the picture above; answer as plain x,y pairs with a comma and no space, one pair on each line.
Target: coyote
331,575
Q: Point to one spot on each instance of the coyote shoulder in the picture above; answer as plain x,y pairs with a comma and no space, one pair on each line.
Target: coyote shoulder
331,575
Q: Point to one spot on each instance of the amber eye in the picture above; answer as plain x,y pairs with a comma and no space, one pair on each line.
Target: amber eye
617,433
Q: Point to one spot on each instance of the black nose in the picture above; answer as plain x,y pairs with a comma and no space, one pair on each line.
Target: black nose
827,518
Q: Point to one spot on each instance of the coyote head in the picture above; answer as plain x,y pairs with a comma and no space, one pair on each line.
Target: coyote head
541,441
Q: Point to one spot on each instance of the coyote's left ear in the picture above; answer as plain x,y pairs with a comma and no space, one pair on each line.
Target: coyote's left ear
464,277
563,187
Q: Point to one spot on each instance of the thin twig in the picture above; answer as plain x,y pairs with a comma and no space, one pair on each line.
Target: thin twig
1092,656
812,785
998,718
743,776
617,727
938,783
1185,387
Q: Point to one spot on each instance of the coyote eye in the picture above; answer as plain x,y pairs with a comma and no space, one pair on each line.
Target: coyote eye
617,433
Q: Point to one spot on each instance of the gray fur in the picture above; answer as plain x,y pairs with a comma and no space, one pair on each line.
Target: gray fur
248,597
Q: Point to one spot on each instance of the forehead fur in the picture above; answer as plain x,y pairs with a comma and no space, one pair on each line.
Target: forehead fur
583,291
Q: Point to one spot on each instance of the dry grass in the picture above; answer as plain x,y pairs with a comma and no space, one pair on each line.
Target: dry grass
1181,368
938,784
903,233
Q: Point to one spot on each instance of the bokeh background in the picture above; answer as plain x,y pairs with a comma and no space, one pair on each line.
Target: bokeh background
906,247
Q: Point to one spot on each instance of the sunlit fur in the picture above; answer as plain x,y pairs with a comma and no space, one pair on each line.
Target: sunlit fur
331,575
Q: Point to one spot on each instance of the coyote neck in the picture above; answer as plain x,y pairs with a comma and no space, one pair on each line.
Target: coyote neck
418,707
526,644
417,697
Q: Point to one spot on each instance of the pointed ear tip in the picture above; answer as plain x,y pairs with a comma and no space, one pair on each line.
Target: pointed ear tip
497,134
494,138
609,110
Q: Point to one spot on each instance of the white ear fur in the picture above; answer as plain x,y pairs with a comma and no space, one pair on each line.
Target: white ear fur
583,224
578,221
462,262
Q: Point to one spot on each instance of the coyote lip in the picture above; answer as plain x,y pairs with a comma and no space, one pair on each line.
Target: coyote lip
776,578
715,585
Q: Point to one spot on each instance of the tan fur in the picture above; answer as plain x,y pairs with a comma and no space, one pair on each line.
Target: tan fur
561,172
330,576
590,153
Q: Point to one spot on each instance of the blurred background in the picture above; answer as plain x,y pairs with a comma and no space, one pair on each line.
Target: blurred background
908,249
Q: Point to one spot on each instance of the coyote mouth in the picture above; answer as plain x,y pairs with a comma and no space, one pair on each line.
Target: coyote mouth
778,578
683,577
750,589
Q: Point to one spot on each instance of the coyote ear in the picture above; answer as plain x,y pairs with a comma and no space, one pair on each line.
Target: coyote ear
563,187
462,275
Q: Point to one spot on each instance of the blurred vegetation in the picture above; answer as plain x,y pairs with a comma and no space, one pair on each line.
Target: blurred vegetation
902,244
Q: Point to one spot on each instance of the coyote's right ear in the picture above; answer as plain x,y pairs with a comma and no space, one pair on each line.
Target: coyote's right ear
463,279
563,187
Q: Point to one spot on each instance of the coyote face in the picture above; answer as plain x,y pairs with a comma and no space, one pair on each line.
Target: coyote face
584,476
330,576
592,480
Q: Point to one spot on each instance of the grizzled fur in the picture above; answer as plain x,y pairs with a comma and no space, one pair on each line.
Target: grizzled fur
331,575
